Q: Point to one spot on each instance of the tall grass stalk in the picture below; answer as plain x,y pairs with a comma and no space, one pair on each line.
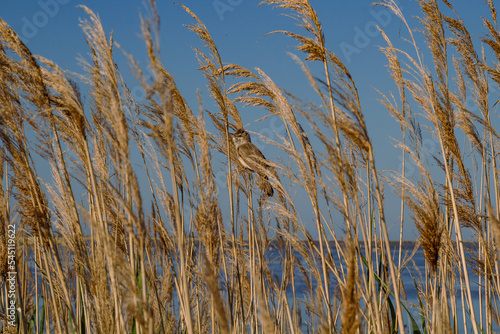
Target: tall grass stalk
94,256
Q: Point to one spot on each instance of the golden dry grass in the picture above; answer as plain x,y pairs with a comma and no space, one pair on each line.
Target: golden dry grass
91,256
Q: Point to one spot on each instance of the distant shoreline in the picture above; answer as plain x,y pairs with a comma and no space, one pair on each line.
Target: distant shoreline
393,243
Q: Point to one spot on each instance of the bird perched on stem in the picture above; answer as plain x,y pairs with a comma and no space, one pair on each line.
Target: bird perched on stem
252,158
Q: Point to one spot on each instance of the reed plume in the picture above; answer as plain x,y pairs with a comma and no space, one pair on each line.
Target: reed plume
146,221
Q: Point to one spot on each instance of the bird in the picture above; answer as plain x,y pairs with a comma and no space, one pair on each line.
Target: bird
252,158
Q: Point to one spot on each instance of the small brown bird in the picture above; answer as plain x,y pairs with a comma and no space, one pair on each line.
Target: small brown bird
252,158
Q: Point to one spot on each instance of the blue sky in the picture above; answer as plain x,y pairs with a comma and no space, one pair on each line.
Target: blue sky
50,28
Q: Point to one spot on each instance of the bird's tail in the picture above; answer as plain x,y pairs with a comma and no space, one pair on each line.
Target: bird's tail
266,186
